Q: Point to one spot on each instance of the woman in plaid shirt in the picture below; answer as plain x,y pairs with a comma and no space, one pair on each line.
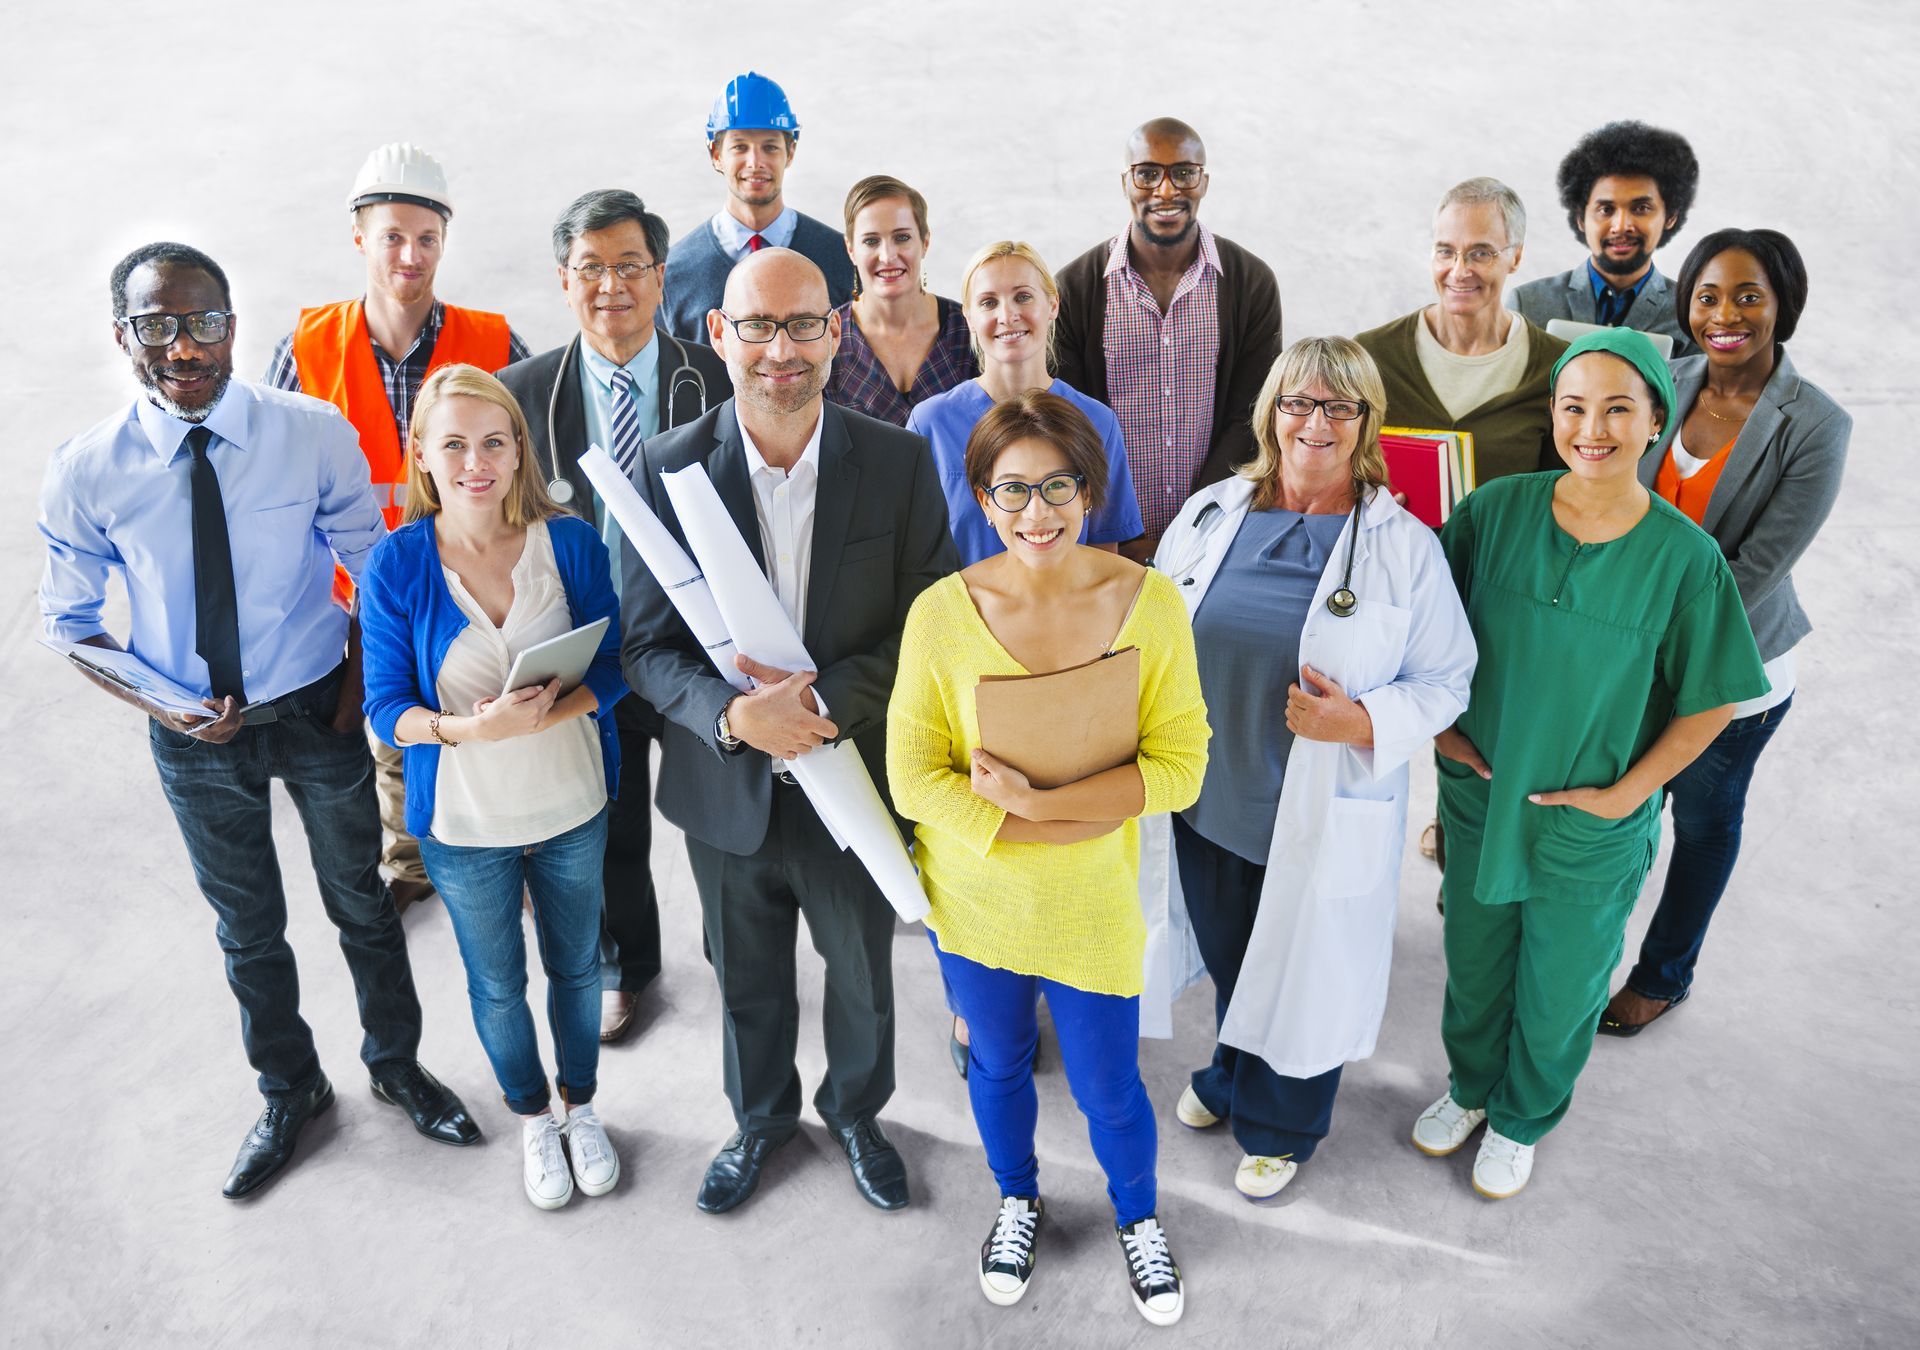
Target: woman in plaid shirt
899,345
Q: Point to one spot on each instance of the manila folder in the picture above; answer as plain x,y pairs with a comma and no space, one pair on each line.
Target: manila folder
1064,726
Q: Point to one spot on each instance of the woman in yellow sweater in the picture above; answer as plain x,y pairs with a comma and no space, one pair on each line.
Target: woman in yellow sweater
1036,890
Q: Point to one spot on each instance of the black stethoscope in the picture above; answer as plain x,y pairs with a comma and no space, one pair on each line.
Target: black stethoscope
1343,602
560,487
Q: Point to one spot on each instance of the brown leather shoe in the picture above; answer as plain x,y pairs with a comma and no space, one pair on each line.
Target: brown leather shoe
408,893
616,1014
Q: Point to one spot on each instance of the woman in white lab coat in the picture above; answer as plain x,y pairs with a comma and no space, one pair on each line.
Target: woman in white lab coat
1332,646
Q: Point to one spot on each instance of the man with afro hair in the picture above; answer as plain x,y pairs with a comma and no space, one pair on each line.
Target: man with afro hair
1626,189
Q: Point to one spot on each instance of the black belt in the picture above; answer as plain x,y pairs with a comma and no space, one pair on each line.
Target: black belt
317,699
785,779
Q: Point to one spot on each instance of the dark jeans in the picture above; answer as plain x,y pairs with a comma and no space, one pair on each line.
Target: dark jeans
481,888
1709,800
219,795
751,905
1271,1115
630,924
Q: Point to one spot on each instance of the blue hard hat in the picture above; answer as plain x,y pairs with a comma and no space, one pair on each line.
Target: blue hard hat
752,102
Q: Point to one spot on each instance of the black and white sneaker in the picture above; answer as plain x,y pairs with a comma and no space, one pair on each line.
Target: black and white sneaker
1151,1273
1008,1254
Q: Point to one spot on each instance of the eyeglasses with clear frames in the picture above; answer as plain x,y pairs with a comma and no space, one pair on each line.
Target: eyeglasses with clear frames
1186,176
159,330
1339,409
1480,255
594,273
1057,490
800,328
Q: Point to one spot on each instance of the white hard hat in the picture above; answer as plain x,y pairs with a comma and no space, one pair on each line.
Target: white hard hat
401,172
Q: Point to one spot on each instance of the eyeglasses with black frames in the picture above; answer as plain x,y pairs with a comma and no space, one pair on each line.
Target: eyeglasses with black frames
159,330
800,328
1056,490
1186,176
1339,409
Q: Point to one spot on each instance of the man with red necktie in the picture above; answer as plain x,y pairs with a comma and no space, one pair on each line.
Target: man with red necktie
752,135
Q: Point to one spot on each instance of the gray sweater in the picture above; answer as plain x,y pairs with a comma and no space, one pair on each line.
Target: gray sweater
697,270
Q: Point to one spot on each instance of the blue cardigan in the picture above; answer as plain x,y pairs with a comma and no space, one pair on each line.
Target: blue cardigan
408,619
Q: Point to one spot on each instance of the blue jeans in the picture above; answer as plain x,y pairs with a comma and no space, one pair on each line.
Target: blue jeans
220,798
1270,1114
1099,1042
1709,805
482,888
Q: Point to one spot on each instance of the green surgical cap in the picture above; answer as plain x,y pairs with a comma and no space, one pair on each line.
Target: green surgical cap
1632,347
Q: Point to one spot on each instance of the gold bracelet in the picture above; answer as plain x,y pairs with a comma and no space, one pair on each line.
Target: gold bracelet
433,725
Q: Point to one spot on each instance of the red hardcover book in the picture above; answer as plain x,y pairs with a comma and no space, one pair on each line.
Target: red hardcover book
1419,466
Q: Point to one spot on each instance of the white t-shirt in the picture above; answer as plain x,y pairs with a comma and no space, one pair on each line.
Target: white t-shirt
507,794
1463,383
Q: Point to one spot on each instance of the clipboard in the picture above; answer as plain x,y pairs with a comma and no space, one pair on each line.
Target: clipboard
1065,725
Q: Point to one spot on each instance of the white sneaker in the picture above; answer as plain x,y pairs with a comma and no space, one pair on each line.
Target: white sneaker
1192,1112
1008,1255
1262,1178
596,1167
1152,1276
1503,1166
1444,1126
549,1184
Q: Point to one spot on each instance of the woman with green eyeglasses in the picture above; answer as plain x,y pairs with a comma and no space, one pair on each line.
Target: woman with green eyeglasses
1466,362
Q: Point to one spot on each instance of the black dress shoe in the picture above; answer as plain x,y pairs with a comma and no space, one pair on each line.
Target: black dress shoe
879,1172
435,1111
268,1146
734,1173
957,1050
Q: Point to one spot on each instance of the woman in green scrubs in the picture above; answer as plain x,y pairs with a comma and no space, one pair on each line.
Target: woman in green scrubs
1613,646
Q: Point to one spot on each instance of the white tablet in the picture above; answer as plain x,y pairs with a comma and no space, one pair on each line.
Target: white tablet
1569,329
565,658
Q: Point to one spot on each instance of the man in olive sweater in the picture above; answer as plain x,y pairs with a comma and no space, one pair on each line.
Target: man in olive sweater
1172,327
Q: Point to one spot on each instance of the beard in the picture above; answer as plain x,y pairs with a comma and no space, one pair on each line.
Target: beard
1620,267
789,398
150,380
1168,240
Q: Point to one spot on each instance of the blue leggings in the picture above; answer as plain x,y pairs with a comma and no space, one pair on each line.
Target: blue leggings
1099,1038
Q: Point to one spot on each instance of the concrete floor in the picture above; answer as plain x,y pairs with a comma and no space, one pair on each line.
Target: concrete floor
1740,1176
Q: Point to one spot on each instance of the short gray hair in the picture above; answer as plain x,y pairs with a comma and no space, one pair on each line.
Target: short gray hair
1479,192
601,209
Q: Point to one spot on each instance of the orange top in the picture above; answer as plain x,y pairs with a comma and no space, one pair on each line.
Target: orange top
334,355
1691,494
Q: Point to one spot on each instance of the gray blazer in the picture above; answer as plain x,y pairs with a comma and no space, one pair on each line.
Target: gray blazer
880,537
1774,493
1570,296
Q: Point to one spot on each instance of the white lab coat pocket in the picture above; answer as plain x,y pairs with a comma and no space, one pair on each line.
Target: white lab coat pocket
1358,847
1364,650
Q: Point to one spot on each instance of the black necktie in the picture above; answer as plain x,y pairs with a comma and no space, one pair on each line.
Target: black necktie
216,613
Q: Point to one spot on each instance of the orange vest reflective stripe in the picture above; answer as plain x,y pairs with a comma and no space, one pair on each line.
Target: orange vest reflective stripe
334,355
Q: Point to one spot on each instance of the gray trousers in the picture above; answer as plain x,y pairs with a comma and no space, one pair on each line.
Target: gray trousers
751,905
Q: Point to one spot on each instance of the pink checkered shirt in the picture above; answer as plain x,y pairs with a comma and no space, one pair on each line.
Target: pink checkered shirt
1160,373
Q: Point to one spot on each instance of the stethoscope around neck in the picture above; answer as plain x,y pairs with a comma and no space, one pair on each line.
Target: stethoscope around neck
1343,602
559,486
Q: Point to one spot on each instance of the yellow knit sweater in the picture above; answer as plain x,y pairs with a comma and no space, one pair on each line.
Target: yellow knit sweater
1066,912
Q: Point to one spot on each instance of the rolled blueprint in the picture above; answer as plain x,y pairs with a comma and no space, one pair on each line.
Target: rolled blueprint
728,605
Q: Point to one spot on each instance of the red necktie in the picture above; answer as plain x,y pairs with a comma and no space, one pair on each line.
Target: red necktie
755,244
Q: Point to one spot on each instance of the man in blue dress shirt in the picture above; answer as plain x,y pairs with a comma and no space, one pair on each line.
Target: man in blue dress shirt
223,505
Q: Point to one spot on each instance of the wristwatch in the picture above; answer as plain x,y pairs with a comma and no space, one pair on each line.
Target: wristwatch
724,733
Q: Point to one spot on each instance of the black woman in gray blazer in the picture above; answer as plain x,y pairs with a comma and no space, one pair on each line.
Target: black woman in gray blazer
1755,458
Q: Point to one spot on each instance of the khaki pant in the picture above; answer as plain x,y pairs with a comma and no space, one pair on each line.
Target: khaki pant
399,851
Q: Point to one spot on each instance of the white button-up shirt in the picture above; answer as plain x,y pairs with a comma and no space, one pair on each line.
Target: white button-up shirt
783,504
